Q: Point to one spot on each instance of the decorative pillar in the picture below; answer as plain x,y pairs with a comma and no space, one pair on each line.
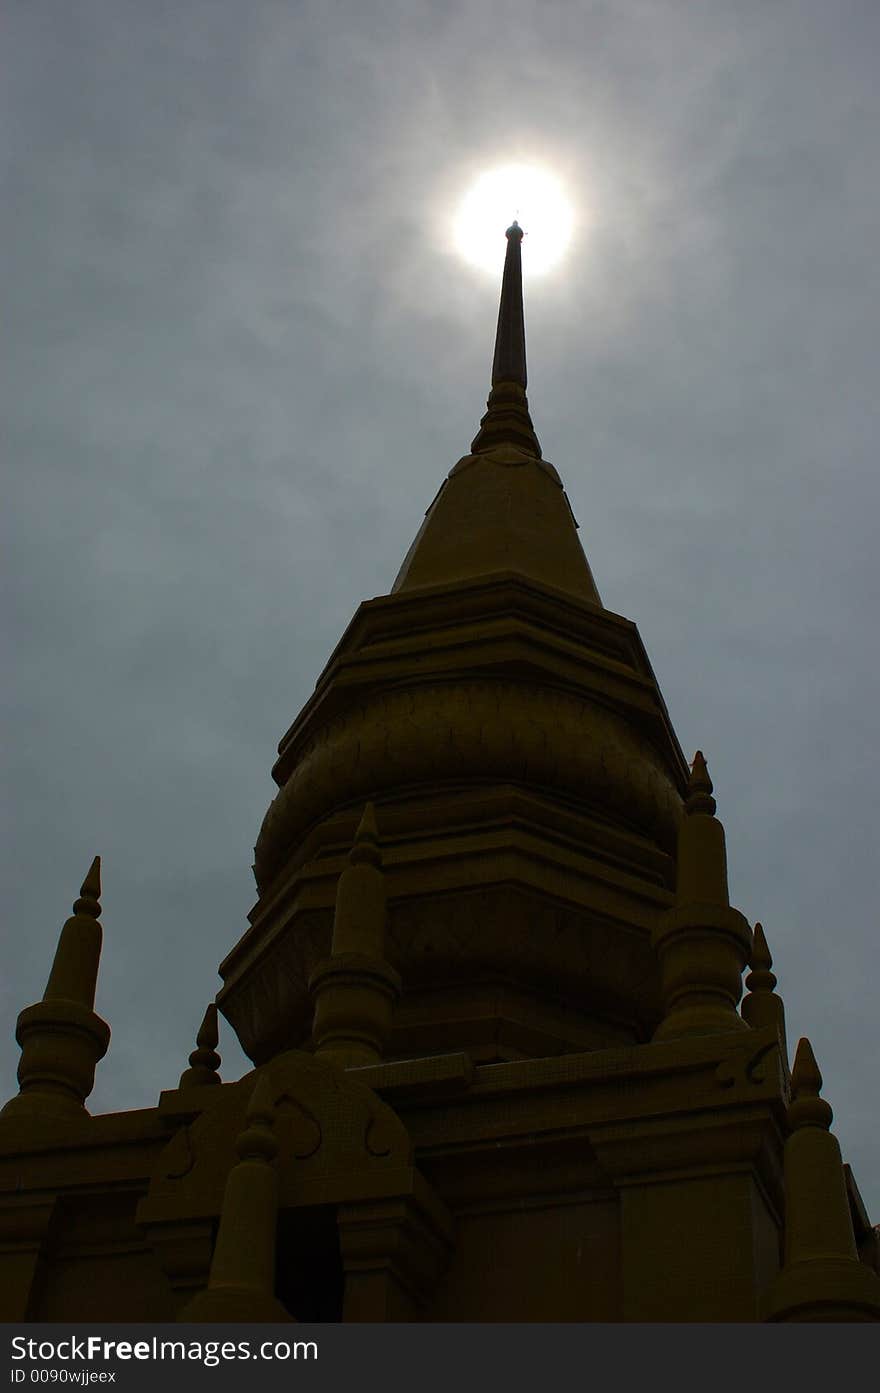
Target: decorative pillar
241,1286
702,943
204,1060
355,989
61,1037
822,1278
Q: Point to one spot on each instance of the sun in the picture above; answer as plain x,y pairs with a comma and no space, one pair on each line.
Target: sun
533,196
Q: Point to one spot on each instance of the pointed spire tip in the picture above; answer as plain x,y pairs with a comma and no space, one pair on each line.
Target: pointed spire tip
807,1109
507,420
209,1033
366,839
88,902
805,1075
699,790
761,958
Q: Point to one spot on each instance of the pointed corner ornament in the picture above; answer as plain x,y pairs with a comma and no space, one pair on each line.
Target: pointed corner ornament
89,902
700,788
761,959
703,943
807,1109
365,850
355,989
61,1037
761,1005
241,1284
821,1278
204,1061
507,420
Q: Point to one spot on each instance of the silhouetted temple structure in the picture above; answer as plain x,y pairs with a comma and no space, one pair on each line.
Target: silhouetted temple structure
492,989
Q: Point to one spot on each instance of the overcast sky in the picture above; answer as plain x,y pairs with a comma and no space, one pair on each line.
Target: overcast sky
241,354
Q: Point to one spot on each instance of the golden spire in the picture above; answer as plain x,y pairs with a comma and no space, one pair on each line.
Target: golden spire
703,944
74,975
359,921
507,420
61,1038
241,1285
204,1060
509,362
761,1005
354,990
700,787
822,1278
702,852
365,850
807,1109
502,508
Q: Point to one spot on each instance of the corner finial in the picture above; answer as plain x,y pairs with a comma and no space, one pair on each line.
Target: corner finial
807,1108
821,1278
699,793
703,943
61,1037
354,990
761,960
90,892
204,1061
366,840
761,1006
241,1283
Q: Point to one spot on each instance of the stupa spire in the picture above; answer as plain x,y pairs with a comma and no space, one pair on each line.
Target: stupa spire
507,420
762,1005
61,1037
509,363
204,1060
821,1278
702,942
355,989
241,1285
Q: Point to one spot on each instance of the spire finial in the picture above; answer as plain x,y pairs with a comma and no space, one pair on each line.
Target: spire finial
507,420
90,892
703,942
761,960
61,1037
699,793
509,363
821,1278
761,1005
365,850
204,1060
355,989
241,1284
807,1108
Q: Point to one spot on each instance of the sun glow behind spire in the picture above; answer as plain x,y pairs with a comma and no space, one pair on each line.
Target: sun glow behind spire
534,197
